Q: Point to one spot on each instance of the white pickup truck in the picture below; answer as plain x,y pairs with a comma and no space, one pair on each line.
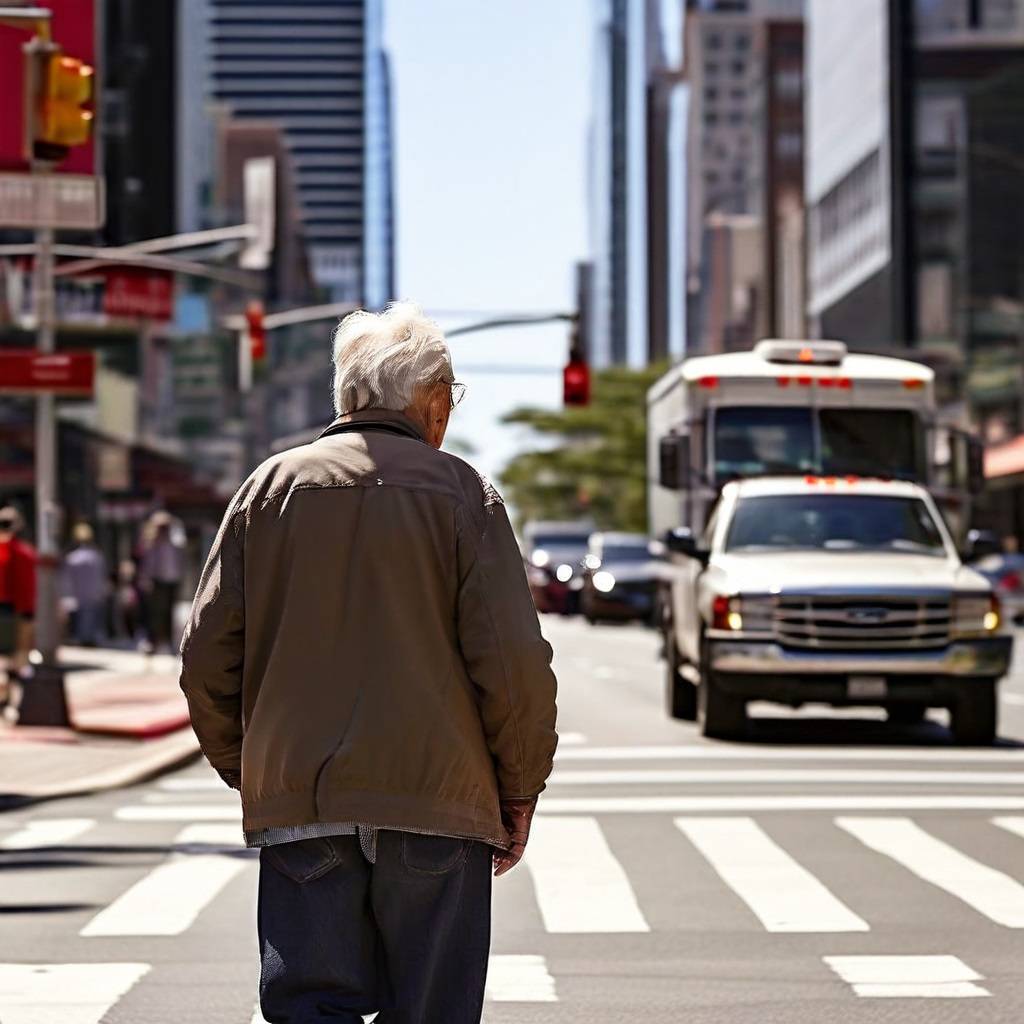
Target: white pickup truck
835,590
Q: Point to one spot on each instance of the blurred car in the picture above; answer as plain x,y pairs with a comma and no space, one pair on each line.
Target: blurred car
622,572
554,553
1006,574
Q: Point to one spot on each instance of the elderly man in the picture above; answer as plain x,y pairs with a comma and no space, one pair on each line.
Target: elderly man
363,661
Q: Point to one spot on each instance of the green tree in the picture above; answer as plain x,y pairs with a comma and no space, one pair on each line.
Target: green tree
594,464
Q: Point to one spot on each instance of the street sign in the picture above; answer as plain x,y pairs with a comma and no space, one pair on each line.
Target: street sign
26,371
138,292
72,202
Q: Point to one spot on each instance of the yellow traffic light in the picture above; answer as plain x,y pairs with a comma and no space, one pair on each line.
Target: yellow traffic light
63,117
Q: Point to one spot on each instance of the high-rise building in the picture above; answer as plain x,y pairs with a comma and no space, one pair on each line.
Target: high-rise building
316,68
914,190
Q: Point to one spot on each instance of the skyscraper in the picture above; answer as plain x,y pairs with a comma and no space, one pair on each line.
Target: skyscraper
318,69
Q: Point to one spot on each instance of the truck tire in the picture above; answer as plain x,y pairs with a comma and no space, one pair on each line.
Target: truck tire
722,716
975,714
907,714
680,693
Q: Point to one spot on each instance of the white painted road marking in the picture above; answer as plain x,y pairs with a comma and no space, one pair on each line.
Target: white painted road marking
63,993
721,752
580,885
46,832
520,979
1011,824
903,977
169,898
571,739
197,783
783,894
229,836
745,804
992,893
179,812
802,776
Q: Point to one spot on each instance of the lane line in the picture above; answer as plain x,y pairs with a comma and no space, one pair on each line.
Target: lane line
1011,824
170,898
179,812
571,739
803,776
198,784
46,832
745,804
715,752
580,885
997,896
781,893
520,979
908,977
63,993
228,836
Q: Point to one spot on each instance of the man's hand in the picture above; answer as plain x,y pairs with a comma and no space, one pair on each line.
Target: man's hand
516,816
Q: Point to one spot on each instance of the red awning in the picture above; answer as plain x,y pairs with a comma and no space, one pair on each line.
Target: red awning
1005,459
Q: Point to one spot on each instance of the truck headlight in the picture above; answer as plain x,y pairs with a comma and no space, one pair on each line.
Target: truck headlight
747,614
564,573
975,614
604,582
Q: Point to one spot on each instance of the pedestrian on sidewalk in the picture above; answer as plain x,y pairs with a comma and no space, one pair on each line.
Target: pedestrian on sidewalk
364,622
161,568
87,587
17,598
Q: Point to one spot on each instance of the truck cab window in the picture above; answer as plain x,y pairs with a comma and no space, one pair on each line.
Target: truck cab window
752,441
870,442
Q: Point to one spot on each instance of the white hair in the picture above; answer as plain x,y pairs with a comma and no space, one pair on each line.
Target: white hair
380,359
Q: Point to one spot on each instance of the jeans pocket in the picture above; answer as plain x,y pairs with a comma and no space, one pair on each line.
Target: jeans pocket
433,855
304,860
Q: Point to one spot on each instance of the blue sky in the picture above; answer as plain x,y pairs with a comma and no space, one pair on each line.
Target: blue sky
491,107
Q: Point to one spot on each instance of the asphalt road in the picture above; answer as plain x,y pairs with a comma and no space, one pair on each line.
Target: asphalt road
830,868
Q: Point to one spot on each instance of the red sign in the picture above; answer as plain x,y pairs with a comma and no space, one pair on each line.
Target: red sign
132,292
24,370
73,27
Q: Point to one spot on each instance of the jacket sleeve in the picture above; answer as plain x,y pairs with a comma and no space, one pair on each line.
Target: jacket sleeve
212,650
25,559
506,657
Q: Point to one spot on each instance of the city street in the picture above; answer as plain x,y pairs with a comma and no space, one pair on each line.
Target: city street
831,868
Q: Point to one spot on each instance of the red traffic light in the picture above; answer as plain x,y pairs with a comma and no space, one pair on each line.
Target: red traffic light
257,332
576,382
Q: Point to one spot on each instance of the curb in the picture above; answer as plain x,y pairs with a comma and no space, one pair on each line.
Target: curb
174,751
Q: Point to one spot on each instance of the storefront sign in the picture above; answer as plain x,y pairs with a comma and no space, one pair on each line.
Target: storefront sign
26,371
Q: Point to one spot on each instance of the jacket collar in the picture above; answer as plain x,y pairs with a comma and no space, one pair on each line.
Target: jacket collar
374,419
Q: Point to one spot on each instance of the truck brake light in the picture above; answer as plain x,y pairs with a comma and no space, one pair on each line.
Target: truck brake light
708,382
913,384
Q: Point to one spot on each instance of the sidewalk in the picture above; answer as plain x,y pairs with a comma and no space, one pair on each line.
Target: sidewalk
130,721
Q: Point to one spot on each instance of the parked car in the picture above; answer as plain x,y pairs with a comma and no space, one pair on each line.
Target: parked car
554,553
837,591
621,575
1005,572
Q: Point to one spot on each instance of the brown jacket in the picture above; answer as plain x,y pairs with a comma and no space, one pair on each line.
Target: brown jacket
363,647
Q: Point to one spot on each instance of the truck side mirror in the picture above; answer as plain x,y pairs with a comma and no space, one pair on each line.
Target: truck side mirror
981,543
975,465
674,461
681,541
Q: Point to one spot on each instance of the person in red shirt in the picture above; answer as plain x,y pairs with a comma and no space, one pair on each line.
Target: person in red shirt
17,593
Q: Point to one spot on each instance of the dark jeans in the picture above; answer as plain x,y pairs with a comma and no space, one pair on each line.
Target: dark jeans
408,936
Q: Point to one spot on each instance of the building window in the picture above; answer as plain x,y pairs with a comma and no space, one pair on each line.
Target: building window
736,117
788,145
713,41
739,67
710,68
710,94
742,43
788,83
710,117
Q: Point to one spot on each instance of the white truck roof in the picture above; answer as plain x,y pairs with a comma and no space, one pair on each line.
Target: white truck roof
811,484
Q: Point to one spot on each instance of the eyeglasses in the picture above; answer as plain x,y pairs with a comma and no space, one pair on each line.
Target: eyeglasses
458,393
6,524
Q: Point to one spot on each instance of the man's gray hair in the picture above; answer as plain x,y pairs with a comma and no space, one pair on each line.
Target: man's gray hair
380,359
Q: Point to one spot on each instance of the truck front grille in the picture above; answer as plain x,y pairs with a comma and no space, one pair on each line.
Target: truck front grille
837,623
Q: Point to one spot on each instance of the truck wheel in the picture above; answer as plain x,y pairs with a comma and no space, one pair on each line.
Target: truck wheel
906,714
721,715
975,713
680,693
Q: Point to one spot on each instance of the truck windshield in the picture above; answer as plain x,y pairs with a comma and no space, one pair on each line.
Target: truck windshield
760,440
834,522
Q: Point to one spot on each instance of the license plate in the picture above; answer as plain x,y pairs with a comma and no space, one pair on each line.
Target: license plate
866,687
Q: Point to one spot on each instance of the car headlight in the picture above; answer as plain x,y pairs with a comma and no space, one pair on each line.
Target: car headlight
592,562
563,573
537,577
975,614
540,558
604,582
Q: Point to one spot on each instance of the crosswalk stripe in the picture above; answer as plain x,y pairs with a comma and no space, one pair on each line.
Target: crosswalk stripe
1010,824
169,898
803,776
783,894
63,993
580,885
198,784
721,752
46,832
203,834
992,893
179,812
745,804
520,979
903,977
